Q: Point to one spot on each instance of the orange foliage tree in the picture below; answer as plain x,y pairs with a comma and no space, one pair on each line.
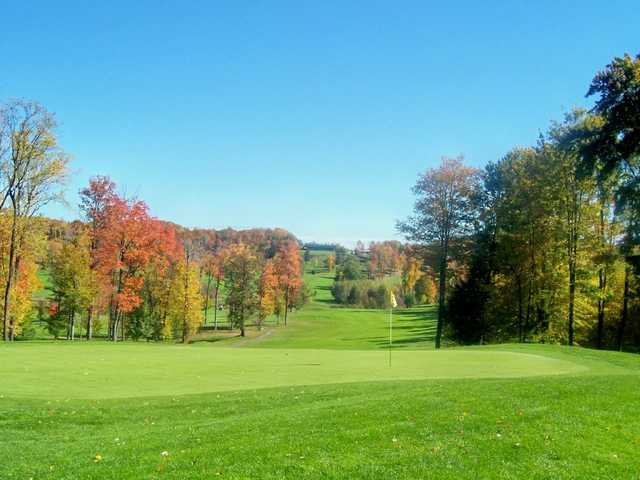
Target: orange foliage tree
289,271
267,292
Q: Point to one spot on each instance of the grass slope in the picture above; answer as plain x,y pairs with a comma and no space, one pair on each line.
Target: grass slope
323,324
139,411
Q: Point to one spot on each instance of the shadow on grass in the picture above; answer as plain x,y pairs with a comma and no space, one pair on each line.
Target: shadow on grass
213,339
415,327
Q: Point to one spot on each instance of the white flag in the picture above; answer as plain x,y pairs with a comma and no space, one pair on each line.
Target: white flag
394,304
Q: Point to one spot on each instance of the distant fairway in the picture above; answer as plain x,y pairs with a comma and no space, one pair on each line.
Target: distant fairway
318,400
112,371
325,325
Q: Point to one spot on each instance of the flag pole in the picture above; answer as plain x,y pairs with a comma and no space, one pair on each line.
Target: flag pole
392,304
390,331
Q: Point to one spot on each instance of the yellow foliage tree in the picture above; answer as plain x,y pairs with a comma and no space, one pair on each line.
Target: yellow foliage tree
185,303
331,262
411,273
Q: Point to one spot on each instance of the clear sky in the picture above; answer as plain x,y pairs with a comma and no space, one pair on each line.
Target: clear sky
315,116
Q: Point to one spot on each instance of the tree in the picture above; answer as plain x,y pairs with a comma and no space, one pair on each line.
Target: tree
73,282
160,275
242,277
289,271
385,258
425,289
95,201
575,195
32,168
185,302
27,282
213,266
616,144
443,211
411,273
128,241
268,292
349,269
331,262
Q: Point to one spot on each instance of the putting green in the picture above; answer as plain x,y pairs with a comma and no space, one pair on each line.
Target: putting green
93,371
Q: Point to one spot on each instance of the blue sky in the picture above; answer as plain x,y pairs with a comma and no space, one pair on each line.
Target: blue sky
311,116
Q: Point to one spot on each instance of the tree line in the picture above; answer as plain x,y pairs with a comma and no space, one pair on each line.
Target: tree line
542,245
120,271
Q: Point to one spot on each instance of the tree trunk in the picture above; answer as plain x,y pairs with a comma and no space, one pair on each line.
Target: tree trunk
572,247
206,300
72,325
602,283
286,305
520,309
114,332
9,282
441,292
215,305
572,297
116,308
623,318
89,322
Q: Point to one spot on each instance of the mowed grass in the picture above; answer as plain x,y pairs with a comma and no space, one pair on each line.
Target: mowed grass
325,325
326,406
85,370
576,426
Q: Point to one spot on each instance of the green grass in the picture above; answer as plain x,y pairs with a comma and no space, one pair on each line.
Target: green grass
85,370
325,325
326,406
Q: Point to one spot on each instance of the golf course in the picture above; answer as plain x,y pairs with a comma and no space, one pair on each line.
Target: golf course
324,397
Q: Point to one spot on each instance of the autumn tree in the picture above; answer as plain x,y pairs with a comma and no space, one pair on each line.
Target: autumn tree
74,283
443,211
185,302
425,289
411,273
213,267
289,272
331,262
27,282
242,279
149,319
385,258
126,243
267,292
32,169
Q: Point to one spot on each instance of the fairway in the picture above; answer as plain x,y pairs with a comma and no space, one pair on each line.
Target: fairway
117,371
